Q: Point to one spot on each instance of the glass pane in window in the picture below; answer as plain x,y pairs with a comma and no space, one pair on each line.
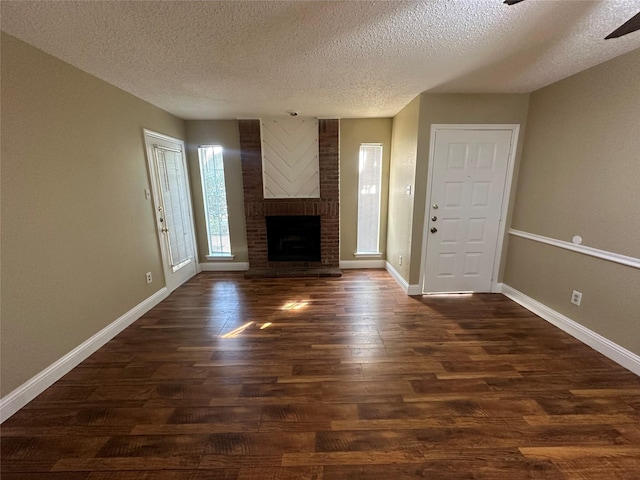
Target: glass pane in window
369,186
215,199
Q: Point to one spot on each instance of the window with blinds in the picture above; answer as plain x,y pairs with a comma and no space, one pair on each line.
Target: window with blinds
215,199
369,195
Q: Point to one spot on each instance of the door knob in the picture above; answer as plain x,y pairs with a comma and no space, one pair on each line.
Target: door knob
434,229
434,218
434,206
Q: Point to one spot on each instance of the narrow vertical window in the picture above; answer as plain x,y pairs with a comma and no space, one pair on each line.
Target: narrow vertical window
369,186
215,199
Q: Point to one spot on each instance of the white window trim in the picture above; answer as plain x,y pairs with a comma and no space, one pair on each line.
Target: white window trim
222,256
368,254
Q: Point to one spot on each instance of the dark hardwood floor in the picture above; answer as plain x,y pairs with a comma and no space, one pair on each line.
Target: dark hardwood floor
331,378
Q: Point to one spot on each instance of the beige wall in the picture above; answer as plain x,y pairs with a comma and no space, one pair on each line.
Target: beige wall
78,234
354,132
579,175
224,133
404,148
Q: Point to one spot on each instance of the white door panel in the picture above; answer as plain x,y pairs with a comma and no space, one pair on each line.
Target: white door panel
467,188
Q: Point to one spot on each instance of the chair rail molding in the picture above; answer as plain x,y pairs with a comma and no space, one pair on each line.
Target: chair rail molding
591,251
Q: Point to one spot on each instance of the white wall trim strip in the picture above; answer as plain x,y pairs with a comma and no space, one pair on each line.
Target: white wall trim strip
33,387
224,266
414,290
348,264
220,258
367,255
408,289
593,252
615,352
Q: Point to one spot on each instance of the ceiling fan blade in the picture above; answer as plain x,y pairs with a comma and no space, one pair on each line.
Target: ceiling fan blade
512,2
629,26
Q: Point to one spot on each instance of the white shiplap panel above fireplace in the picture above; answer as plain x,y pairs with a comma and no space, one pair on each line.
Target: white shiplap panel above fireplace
290,167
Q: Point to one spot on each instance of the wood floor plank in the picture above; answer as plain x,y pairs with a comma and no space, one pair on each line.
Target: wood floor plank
583,451
448,470
282,473
117,464
46,476
352,458
331,379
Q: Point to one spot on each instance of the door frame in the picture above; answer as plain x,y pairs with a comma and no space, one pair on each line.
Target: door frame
155,195
504,209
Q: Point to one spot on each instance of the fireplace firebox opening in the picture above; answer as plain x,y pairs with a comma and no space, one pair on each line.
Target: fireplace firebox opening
293,238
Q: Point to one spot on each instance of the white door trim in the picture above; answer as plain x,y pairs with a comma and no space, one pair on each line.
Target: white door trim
155,195
515,130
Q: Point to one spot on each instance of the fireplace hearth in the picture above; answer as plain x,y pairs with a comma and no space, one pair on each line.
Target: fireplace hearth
293,238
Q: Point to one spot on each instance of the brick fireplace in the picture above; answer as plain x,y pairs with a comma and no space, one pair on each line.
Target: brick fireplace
257,208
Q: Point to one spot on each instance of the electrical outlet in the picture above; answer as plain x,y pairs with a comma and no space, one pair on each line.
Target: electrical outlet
576,298
399,259
149,277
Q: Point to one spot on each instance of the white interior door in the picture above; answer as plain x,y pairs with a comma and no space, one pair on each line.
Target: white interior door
172,203
469,170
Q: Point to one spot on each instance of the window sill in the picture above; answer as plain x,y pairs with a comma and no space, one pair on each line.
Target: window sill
367,255
224,256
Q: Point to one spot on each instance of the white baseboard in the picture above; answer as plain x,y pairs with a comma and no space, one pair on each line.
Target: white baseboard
414,290
349,264
224,266
613,351
408,289
33,387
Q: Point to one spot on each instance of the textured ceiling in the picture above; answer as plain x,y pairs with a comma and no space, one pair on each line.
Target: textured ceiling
235,59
